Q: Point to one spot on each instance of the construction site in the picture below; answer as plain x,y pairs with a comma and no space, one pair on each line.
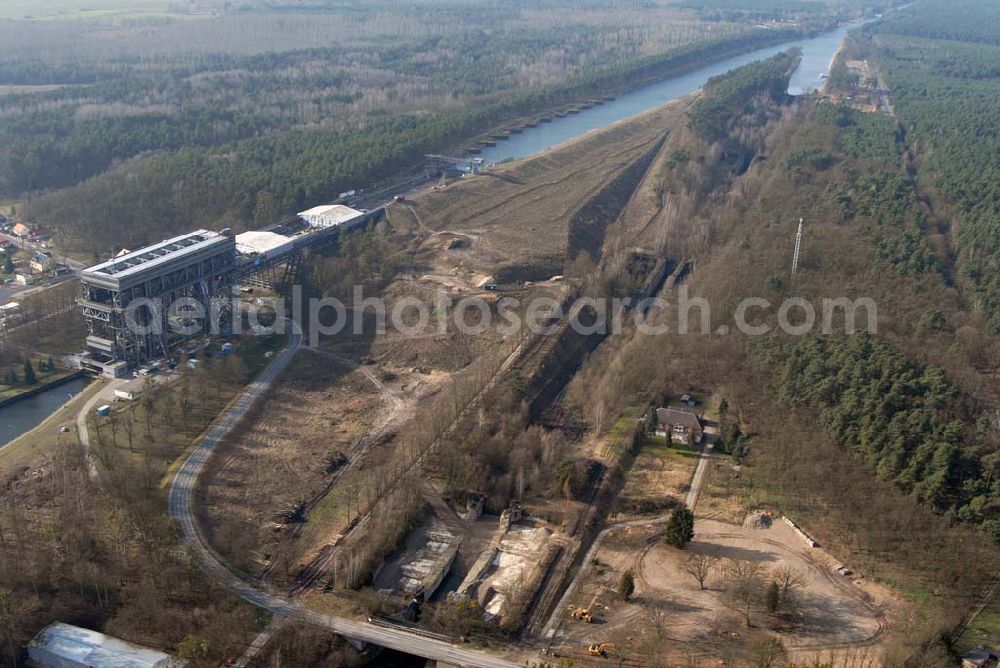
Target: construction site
621,482
469,488
129,302
378,476
827,608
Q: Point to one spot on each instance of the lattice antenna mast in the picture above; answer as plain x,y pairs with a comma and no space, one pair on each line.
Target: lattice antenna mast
798,247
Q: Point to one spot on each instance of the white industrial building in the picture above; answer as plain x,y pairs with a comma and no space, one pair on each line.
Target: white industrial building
61,645
330,215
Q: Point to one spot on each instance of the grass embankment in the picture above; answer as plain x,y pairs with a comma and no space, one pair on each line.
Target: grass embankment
613,445
984,629
41,378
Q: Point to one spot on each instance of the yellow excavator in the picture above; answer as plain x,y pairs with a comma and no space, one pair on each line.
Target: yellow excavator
583,614
600,649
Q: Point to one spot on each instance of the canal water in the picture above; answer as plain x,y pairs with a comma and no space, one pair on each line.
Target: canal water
24,415
817,55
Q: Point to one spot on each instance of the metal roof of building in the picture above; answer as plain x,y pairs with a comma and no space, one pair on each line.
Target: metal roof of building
157,254
85,647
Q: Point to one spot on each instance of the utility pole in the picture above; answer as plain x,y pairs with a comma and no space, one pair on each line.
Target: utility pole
798,247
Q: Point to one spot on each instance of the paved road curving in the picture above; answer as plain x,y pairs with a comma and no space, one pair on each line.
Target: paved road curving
181,507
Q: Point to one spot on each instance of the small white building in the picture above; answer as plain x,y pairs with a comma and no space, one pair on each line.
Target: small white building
10,310
330,215
61,645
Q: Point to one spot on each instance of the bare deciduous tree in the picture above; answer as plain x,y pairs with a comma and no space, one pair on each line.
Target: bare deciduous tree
746,578
790,582
700,566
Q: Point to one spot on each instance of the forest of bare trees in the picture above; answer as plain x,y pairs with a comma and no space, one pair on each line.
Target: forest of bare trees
93,543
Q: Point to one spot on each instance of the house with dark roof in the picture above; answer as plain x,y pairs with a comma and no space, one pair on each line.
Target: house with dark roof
681,425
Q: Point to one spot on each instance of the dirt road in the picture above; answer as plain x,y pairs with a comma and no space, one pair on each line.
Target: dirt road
699,473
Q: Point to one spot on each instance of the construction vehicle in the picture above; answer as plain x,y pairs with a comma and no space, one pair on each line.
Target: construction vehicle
600,649
582,614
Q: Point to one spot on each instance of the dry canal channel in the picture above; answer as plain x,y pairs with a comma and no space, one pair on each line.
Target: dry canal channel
817,55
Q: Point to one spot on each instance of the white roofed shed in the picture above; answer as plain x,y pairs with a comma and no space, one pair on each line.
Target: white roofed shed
330,215
61,645
263,243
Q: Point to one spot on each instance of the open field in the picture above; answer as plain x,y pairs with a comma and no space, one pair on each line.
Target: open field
70,9
270,492
266,470
659,480
726,495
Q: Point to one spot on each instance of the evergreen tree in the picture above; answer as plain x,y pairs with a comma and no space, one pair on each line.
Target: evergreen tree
772,597
626,586
29,373
680,528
